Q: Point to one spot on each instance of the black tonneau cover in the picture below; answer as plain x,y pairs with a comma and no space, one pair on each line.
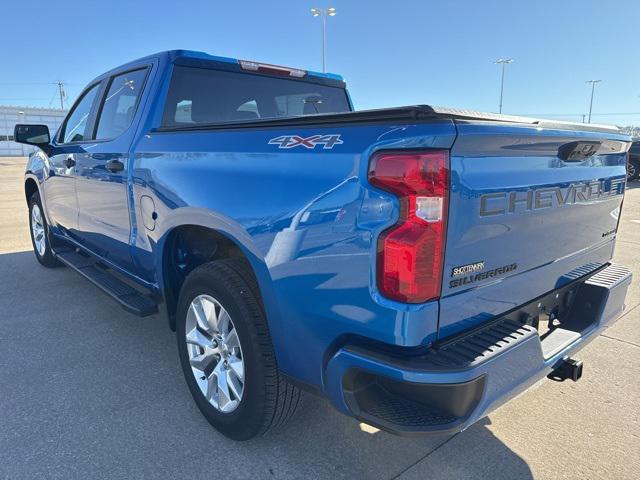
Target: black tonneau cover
399,114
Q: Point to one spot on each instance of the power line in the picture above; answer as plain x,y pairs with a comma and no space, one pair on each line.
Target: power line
25,83
61,93
36,83
53,97
23,98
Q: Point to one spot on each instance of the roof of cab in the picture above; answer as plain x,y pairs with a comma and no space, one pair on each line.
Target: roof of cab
214,58
172,55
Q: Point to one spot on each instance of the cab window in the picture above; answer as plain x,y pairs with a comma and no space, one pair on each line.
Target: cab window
208,96
77,123
120,102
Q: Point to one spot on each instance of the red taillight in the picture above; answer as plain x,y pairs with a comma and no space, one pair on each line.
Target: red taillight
411,253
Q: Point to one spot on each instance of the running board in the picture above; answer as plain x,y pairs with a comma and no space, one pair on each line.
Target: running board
128,297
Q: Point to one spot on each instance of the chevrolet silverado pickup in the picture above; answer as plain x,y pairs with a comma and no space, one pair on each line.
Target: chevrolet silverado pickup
417,266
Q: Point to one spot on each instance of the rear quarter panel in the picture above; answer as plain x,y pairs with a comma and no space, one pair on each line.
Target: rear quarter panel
306,218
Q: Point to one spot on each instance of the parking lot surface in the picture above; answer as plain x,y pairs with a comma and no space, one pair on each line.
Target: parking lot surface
90,391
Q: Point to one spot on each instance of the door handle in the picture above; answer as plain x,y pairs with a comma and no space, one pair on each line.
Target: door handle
114,166
69,162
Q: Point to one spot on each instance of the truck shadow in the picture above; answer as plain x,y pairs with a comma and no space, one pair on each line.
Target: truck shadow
98,392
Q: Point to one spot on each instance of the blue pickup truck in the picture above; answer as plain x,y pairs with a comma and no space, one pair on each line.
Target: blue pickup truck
418,266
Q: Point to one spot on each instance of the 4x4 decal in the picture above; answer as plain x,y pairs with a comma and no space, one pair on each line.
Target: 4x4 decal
292,141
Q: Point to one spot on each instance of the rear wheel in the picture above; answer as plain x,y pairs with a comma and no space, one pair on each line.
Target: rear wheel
40,233
226,352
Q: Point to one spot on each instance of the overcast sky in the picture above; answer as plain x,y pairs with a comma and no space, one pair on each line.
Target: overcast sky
391,53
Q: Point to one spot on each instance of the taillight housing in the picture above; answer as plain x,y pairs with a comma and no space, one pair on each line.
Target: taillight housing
411,253
272,69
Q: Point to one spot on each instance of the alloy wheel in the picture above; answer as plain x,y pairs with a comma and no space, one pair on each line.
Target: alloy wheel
37,229
215,354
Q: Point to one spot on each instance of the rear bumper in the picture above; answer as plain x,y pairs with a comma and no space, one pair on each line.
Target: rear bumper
456,383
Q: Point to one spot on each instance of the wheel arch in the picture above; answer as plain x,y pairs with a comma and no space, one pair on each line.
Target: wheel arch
185,246
30,187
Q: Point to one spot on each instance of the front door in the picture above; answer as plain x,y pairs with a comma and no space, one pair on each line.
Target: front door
68,148
104,221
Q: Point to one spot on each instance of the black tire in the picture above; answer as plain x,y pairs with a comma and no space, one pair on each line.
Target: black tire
46,258
633,169
268,399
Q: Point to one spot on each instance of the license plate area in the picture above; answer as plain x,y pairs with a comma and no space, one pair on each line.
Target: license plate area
558,316
550,312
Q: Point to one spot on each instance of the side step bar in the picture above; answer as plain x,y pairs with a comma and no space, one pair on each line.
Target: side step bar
128,297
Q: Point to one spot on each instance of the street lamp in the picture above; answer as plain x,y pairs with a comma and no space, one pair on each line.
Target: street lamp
324,13
593,87
21,120
503,62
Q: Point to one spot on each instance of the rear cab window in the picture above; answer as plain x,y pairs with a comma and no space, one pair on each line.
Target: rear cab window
200,96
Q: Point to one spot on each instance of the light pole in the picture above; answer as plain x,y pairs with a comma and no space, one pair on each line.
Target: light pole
21,120
62,94
503,62
324,13
593,87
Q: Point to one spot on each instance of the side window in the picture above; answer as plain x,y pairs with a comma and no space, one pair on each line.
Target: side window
183,112
119,105
75,127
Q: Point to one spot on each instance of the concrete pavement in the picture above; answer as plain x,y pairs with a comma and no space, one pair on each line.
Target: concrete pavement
87,390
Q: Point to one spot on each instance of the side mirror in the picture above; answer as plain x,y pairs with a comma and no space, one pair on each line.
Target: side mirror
37,135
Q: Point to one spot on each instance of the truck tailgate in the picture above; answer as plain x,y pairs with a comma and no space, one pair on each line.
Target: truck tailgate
526,216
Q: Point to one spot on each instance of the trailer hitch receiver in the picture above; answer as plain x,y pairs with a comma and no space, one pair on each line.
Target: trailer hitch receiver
569,368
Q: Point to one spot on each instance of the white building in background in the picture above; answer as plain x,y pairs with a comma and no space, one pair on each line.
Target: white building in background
9,116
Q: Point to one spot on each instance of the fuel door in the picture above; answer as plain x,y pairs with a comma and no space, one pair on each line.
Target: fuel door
148,212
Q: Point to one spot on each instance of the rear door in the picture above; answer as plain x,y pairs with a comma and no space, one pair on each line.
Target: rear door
525,216
104,220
